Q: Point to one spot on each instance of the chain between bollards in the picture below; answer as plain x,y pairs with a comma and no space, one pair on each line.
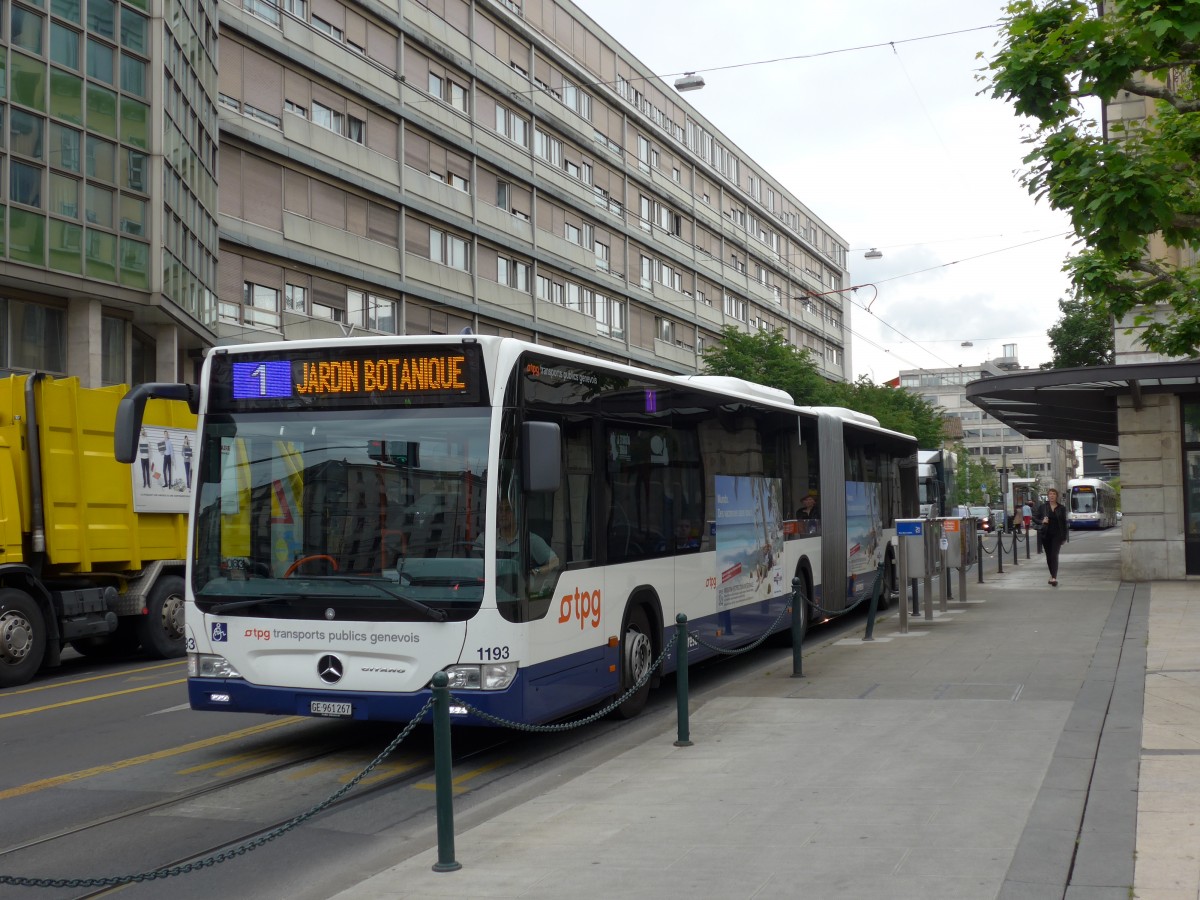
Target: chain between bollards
681,681
442,775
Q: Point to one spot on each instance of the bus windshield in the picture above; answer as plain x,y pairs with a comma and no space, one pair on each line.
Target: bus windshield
346,514
1083,500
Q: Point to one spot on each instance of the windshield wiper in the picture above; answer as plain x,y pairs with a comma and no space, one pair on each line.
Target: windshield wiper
242,604
437,615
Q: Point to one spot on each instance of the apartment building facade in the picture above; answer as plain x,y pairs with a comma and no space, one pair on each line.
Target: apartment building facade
421,169
1053,462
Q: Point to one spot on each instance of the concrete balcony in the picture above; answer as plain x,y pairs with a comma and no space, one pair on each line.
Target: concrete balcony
567,318
338,243
345,152
677,355
441,278
421,185
438,29
505,298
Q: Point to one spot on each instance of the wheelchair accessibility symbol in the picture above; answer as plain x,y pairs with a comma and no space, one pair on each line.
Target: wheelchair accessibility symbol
220,632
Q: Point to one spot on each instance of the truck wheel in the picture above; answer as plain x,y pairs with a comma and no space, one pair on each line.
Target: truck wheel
161,629
637,654
22,637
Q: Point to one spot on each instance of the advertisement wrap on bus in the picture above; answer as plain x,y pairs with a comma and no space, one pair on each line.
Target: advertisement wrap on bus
369,512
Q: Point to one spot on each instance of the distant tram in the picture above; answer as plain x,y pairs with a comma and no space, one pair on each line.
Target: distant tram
1093,503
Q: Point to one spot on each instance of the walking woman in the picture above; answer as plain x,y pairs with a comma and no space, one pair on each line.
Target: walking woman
1052,519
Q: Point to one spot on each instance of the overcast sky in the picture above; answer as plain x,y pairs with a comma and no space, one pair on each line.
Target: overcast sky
892,147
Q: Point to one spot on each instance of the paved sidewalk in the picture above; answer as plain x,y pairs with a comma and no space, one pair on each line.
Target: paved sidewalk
994,752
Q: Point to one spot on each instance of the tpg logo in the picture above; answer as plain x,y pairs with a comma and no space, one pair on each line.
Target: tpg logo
582,606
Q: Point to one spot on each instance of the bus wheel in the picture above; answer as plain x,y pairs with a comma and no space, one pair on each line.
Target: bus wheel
161,629
637,655
889,583
22,637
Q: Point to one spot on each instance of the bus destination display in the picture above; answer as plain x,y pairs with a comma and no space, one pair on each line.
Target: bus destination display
311,378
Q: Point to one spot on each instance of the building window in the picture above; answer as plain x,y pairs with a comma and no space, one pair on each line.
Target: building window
449,250
321,311
369,311
261,305
448,91
327,28
295,298
347,126
601,256
512,126
112,350
264,9
610,317
513,273
36,336
547,147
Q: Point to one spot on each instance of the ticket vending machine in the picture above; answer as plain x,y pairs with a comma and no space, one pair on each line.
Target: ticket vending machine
920,557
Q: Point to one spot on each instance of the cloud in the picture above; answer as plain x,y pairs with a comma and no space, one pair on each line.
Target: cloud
891,146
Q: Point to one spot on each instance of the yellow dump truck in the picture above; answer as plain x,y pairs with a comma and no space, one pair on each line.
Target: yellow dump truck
91,550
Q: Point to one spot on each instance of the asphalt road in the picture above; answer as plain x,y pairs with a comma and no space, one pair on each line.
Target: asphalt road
105,772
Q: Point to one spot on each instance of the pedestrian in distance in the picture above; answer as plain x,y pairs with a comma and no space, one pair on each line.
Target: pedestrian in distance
1052,529
1027,516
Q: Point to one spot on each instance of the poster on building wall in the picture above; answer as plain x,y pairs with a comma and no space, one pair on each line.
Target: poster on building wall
749,539
162,473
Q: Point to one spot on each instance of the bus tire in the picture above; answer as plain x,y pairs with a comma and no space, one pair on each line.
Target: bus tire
637,655
161,628
889,582
22,637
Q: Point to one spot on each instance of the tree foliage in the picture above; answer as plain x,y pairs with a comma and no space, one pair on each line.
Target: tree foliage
766,357
895,408
1054,56
976,482
1083,336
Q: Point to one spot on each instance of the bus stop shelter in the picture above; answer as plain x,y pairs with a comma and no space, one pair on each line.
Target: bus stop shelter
1151,412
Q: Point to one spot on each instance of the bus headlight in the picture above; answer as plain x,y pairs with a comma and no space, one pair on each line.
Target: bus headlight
486,677
202,665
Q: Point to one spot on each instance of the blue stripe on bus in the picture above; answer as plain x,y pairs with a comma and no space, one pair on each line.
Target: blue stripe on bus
540,693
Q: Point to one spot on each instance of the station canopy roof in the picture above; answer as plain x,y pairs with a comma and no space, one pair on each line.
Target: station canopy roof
1077,404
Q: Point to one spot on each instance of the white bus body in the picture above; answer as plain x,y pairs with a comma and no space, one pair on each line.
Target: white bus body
345,541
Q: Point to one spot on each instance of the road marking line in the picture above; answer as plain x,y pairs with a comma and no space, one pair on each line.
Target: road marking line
65,703
108,768
59,684
462,779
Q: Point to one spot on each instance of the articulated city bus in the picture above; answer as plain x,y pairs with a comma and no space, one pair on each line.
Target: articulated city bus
369,512
1092,503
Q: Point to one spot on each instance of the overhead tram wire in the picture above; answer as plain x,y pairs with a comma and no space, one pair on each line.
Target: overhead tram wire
779,59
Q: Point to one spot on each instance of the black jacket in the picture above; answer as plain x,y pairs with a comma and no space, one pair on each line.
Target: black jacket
1058,528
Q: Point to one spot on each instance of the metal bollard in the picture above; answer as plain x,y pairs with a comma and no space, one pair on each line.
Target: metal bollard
797,626
442,775
1027,543
979,557
681,680
876,590
1016,559
1000,552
